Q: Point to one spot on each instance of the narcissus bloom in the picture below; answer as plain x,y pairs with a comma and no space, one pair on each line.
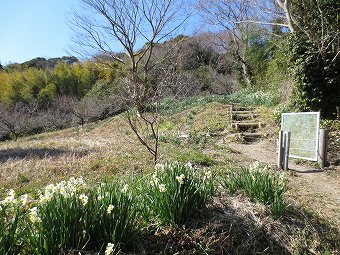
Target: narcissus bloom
162,187
125,188
109,209
33,215
84,199
109,249
180,178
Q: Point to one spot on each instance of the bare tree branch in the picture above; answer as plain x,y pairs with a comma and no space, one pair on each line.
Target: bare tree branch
136,26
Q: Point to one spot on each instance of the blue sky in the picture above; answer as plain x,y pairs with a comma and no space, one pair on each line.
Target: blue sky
38,28
34,28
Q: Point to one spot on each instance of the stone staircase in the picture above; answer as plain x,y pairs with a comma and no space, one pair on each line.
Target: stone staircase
245,123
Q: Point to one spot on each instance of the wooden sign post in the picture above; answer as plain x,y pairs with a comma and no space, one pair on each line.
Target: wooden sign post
322,150
280,151
286,146
283,150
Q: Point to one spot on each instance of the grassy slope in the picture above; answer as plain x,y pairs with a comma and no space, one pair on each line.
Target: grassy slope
109,149
106,148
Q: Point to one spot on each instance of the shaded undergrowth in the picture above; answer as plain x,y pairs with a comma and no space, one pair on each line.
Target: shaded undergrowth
236,226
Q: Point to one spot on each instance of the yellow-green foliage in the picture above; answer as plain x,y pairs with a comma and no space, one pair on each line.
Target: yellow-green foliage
43,85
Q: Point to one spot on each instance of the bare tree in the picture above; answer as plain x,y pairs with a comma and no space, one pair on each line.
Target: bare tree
137,26
131,24
322,29
56,115
145,123
292,15
297,16
16,120
228,15
87,109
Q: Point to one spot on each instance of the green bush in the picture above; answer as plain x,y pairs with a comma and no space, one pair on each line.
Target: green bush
196,157
259,185
317,76
198,138
175,193
331,125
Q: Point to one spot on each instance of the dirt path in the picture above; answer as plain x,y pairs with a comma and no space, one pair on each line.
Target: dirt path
310,187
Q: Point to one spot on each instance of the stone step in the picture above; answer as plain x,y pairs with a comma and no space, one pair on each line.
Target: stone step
242,108
247,124
243,112
250,135
241,118
245,115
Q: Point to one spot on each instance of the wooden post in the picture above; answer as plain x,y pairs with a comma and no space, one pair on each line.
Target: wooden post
280,151
231,113
286,150
322,150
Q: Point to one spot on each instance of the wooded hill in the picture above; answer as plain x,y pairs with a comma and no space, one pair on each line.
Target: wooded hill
298,60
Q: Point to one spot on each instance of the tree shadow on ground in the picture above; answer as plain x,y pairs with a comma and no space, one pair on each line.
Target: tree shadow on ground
36,153
307,171
245,229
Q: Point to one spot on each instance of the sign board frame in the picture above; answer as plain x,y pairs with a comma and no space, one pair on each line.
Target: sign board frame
314,137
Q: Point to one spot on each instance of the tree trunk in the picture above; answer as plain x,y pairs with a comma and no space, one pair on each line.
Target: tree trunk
286,9
246,74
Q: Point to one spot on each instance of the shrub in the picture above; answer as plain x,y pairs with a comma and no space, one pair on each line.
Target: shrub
199,138
316,67
259,185
197,157
175,192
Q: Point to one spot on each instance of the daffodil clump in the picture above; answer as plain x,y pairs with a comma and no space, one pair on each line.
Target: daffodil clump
113,217
175,192
260,185
70,215
58,219
248,97
12,209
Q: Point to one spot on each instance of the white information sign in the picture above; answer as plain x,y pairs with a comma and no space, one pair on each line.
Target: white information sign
304,128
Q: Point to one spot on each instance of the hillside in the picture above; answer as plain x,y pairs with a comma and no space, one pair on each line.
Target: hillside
159,135
198,131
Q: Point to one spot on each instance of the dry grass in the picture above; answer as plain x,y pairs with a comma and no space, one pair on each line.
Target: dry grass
234,225
104,150
230,225
95,151
210,117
